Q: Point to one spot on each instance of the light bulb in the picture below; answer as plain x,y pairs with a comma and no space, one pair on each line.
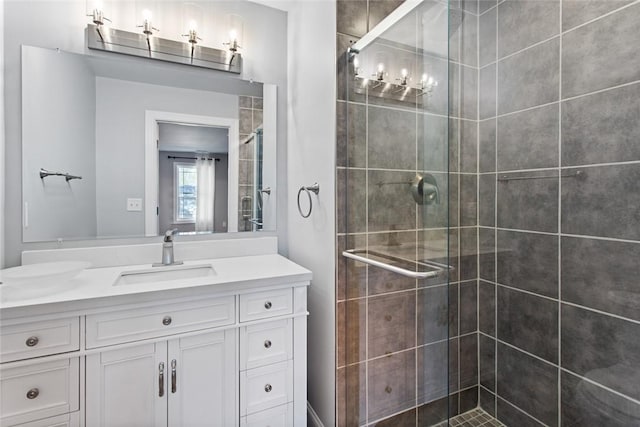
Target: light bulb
192,25
424,78
146,15
356,63
381,68
404,73
233,35
430,81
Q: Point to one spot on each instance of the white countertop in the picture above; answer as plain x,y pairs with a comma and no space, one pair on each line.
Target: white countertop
91,287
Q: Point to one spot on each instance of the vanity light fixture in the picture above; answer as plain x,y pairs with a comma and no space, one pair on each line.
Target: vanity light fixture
142,44
192,34
147,25
235,32
95,9
404,76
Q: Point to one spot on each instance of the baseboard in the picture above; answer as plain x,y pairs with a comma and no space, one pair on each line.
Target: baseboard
312,418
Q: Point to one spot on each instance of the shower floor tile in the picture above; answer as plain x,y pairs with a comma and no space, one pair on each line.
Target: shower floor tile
474,418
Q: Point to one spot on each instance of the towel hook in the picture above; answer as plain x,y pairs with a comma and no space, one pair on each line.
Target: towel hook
315,188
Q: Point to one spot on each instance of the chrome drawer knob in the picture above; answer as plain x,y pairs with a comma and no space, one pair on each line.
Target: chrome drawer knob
166,321
267,344
268,388
267,305
32,341
33,393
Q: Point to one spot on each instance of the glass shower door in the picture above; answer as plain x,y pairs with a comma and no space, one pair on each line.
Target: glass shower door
399,362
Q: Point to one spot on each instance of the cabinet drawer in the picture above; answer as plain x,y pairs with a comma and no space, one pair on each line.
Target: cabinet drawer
39,391
261,305
266,387
35,339
265,343
150,322
280,416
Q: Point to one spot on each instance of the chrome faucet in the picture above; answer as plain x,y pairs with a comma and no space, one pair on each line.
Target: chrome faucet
167,250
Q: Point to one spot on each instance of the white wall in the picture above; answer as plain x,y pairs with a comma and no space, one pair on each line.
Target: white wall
61,24
57,208
120,129
2,179
311,158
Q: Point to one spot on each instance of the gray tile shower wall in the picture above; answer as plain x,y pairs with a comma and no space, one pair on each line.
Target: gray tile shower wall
558,317
407,349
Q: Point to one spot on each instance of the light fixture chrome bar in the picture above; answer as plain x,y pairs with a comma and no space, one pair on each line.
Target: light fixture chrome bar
572,174
437,268
134,44
45,173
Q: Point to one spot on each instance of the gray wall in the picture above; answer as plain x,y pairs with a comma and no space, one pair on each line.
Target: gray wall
60,24
57,208
120,128
559,296
166,184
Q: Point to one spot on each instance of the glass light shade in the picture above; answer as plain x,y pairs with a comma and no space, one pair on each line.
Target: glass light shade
147,16
98,11
192,21
235,32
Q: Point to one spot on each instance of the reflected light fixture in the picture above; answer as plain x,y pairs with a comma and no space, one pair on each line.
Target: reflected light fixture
380,72
404,76
356,66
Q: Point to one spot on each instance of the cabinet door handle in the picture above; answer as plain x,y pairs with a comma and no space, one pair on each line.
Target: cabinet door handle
267,305
166,320
161,379
174,384
33,393
267,344
32,341
268,388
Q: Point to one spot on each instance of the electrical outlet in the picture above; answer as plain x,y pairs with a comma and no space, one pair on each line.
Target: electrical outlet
134,205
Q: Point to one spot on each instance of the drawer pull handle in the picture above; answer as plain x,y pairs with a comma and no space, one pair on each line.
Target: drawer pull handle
166,321
161,379
33,393
268,388
267,344
174,384
268,305
32,341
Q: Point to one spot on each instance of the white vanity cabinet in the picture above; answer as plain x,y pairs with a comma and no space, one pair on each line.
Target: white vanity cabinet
180,382
214,356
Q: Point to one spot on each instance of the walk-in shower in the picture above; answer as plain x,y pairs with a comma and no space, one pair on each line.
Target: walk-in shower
488,235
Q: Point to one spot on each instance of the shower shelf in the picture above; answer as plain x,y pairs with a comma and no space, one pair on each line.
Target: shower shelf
434,268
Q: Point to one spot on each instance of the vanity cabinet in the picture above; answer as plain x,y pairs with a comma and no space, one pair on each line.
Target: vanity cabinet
216,357
180,382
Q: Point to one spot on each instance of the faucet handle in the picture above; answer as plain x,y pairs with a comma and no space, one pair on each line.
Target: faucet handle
168,235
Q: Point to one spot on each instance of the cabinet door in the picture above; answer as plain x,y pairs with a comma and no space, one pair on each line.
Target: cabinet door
203,390
126,388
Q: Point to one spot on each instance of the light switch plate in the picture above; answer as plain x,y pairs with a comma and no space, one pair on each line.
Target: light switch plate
134,205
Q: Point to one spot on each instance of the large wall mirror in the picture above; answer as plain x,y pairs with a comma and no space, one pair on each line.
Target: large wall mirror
145,147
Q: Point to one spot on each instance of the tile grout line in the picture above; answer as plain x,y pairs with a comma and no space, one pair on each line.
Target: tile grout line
477,170
495,233
559,243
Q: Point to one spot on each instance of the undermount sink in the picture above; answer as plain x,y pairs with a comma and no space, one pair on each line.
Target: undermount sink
165,274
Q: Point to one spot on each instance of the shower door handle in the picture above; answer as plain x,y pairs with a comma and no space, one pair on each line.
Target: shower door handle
437,268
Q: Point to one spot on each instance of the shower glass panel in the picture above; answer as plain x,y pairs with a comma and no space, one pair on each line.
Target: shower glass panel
398,363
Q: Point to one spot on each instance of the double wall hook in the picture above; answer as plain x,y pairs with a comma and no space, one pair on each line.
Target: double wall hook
315,188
